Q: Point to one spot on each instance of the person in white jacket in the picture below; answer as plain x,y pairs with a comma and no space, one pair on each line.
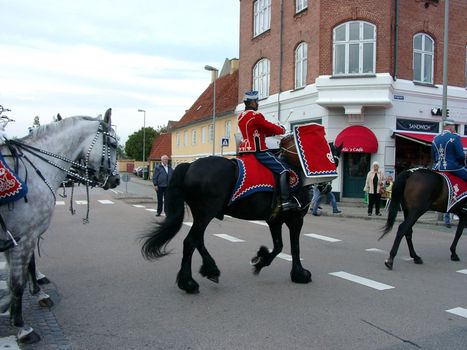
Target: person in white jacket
374,185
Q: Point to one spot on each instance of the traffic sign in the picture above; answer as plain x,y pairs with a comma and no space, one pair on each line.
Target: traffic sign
225,142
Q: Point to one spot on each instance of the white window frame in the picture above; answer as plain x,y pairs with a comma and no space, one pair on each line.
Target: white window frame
228,128
465,68
177,139
203,135
261,77
261,16
426,56
347,43
301,65
185,138
193,137
300,5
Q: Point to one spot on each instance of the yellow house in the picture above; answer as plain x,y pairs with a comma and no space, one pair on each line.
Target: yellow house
195,135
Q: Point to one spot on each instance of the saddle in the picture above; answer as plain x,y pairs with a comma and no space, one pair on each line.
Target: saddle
457,188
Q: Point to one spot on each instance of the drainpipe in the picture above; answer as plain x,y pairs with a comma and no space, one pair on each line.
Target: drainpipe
280,62
396,39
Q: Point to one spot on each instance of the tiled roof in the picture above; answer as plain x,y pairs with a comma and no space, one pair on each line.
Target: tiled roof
160,146
226,101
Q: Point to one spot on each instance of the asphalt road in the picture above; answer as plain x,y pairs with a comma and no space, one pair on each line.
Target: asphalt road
109,297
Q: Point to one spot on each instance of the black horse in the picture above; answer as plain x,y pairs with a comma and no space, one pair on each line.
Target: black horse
416,191
206,186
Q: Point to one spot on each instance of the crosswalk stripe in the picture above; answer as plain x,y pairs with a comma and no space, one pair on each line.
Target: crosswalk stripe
285,256
81,202
188,223
229,238
263,223
459,311
462,271
381,251
139,206
323,238
60,203
105,201
361,280
9,343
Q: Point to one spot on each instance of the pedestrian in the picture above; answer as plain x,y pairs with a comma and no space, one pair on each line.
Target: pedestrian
447,220
374,186
318,192
162,174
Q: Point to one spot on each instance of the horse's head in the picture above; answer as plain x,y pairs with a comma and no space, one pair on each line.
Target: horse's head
336,151
101,156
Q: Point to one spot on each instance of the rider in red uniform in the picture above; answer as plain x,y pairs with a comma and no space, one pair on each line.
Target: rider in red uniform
255,128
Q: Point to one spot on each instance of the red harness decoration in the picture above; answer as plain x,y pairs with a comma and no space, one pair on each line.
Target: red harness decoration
11,187
457,188
254,177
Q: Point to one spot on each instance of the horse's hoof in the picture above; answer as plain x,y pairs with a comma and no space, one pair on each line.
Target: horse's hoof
302,277
191,287
215,279
388,264
46,302
455,257
43,280
255,260
417,260
28,336
211,274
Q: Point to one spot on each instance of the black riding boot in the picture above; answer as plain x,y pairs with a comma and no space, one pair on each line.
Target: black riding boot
5,245
287,202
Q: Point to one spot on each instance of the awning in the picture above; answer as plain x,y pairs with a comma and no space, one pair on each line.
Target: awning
357,139
424,139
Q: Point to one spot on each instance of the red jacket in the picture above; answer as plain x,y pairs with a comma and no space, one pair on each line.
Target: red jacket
255,128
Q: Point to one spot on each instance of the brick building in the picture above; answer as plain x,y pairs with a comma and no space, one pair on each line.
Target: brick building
370,71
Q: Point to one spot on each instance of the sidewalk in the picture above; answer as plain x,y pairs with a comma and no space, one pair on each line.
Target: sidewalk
350,208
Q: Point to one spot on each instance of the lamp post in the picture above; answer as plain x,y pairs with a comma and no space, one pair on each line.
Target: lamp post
445,60
215,70
144,132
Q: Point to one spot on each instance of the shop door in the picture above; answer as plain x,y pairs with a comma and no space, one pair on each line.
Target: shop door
356,167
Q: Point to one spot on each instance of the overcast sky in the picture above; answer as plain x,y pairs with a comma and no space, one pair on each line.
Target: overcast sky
81,57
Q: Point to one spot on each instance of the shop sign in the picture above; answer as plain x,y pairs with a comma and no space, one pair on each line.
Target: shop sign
352,149
417,125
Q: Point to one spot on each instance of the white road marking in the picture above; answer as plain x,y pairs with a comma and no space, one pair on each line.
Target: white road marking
153,210
459,311
116,191
263,223
81,202
60,203
462,271
2,265
138,206
188,223
229,238
105,201
285,256
228,216
361,280
9,343
324,238
381,251
3,285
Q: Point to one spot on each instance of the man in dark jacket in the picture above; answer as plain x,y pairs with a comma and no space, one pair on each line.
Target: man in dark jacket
162,174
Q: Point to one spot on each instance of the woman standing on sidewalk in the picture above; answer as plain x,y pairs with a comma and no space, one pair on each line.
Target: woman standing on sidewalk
374,185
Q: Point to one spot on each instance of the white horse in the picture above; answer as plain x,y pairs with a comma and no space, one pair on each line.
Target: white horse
81,147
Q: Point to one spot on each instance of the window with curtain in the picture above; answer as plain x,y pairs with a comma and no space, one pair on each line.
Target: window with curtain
228,129
423,54
203,135
185,138
261,78
301,62
193,137
300,5
354,48
262,16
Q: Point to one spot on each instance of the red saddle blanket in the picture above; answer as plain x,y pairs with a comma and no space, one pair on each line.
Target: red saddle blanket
11,187
254,177
457,189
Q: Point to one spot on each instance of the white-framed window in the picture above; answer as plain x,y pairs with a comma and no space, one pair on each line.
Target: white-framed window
423,55
228,129
300,5
354,48
185,138
262,16
465,70
210,133
203,135
193,137
177,139
261,77
301,63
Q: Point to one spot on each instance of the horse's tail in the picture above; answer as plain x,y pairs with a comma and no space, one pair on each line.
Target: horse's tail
155,242
396,199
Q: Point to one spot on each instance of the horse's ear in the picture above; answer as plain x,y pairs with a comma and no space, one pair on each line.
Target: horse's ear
59,117
107,116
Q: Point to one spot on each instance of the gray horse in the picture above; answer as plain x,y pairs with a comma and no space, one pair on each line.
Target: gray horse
80,147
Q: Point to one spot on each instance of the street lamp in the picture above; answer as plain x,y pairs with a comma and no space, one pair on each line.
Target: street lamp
215,70
144,131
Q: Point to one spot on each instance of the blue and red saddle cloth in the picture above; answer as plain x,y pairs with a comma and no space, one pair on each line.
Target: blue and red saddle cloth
315,156
12,187
457,188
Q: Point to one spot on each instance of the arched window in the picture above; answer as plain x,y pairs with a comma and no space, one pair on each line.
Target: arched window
423,53
301,62
354,48
261,78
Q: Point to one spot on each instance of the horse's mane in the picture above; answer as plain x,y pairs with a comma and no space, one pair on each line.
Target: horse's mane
48,129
